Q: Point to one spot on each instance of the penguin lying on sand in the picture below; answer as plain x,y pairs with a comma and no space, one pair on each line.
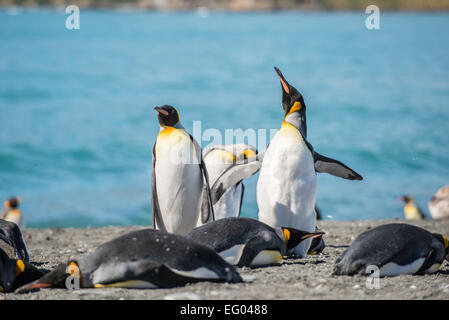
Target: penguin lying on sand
15,269
142,259
249,242
395,249
218,158
287,185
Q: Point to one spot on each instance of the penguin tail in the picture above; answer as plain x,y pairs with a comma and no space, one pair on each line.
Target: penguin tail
53,279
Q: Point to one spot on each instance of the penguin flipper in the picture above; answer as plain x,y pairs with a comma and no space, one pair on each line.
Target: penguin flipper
241,199
429,262
156,211
334,167
233,175
254,246
207,209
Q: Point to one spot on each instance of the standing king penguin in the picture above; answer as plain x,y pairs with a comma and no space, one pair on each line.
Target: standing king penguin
219,158
180,185
287,185
12,213
411,209
439,204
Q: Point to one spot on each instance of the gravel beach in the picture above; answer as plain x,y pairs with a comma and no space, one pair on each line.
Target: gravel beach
308,278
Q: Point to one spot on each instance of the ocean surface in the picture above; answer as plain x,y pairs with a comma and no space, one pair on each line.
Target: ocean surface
77,124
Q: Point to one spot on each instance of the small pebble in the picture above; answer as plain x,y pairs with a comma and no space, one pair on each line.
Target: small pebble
182,296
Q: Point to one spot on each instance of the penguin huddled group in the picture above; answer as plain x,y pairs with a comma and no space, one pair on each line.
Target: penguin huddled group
198,233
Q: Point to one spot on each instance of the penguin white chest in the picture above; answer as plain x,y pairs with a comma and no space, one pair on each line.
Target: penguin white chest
287,185
179,180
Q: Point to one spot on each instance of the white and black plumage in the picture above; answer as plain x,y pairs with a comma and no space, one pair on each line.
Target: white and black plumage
180,185
439,204
248,242
395,249
219,158
15,269
145,258
287,185
12,213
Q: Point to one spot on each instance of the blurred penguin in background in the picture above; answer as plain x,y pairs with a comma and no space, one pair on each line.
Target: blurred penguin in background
12,213
411,209
439,204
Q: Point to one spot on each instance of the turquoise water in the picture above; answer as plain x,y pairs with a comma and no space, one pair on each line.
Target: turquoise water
78,125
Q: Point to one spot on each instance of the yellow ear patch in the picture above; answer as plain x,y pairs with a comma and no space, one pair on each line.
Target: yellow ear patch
20,267
446,242
296,107
286,235
249,153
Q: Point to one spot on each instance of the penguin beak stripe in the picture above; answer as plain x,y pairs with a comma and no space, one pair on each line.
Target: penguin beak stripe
285,86
38,286
161,111
311,236
283,82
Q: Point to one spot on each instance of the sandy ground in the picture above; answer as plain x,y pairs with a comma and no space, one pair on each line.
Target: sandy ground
308,278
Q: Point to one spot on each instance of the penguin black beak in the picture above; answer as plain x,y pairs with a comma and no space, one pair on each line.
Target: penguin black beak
284,83
161,111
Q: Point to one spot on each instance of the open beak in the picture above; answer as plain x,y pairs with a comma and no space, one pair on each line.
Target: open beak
284,83
161,111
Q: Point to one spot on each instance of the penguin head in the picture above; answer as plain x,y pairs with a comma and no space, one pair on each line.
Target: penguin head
54,279
292,99
13,202
167,115
406,199
293,237
445,242
247,153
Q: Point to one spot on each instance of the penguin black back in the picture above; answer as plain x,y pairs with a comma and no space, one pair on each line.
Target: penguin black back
395,249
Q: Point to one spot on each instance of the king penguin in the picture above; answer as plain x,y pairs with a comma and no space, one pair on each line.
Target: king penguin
180,184
12,213
145,258
411,209
15,269
219,158
439,204
287,185
395,249
247,242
